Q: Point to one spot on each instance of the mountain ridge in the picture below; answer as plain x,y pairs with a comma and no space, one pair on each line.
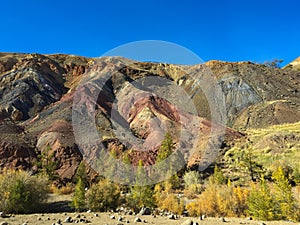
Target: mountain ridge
37,98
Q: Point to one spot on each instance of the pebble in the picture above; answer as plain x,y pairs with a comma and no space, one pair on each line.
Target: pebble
222,219
137,219
112,217
120,218
4,223
68,220
171,217
195,223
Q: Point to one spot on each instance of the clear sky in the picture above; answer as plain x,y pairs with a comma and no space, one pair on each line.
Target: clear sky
237,30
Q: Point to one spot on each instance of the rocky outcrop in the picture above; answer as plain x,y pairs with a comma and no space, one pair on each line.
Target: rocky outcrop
59,136
16,150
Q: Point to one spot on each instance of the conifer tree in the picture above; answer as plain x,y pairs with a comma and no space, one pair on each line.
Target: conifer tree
261,203
141,194
78,200
284,195
46,163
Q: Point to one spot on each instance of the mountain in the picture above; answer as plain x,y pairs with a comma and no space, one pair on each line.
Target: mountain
41,93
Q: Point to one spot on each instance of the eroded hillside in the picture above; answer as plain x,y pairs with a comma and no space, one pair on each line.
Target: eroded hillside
37,93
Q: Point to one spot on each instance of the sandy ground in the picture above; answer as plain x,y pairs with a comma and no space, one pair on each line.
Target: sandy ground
104,218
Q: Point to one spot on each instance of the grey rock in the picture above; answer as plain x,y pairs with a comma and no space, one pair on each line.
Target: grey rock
222,219
171,217
137,219
145,211
112,217
68,220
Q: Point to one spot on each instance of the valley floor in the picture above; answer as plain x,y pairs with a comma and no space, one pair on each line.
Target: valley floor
104,218
58,204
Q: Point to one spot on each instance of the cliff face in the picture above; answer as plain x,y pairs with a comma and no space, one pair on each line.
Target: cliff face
37,95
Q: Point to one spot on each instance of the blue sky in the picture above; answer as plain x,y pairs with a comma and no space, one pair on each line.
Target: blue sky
224,30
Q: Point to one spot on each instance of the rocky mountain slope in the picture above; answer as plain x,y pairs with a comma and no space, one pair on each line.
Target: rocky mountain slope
37,95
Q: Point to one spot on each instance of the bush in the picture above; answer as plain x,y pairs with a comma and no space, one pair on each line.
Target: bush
191,177
63,190
220,200
20,192
166,200
141,196
218,176
192,184
103,196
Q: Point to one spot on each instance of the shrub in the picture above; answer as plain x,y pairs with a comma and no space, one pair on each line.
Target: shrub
220,200
218,176
166,200
192,184
20,192
103,196
141,196
62,190
191,177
